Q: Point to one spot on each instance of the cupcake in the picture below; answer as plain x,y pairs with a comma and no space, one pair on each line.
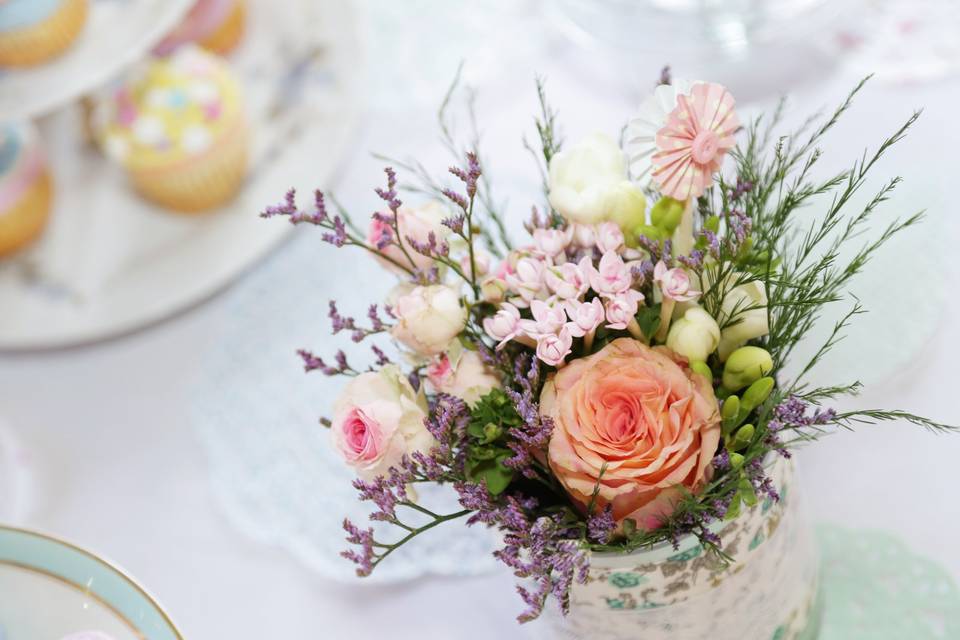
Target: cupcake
215,25
179,129
34,31
26,191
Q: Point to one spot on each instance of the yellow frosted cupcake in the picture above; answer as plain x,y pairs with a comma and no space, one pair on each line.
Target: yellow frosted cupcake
179,130
26,191
34,31
215,25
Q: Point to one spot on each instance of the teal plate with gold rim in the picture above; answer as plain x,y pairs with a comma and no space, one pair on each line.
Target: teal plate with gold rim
52,589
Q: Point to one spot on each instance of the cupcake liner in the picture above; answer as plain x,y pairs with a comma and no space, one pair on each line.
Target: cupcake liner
25,220
198,184
46,39
227,36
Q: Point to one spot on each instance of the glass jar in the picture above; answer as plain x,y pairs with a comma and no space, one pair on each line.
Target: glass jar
768,592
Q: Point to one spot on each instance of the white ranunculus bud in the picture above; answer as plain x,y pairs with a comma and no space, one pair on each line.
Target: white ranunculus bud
588,183
428,318
695,335
744,312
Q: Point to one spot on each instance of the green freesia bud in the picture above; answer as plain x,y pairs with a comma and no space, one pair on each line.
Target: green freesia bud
712,224
745,366
743,437
736,461
702,368
734,509
729,413
756,394
628,206
666,214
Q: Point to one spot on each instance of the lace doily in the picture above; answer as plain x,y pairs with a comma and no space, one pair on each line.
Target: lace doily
876,588
273,468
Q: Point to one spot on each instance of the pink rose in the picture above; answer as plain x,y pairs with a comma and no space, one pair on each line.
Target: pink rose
462,374
378,419
674,283
641,412
416,223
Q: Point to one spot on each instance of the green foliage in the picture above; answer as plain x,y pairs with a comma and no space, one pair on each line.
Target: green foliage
490,419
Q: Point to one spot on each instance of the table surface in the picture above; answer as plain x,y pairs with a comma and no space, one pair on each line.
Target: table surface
117,466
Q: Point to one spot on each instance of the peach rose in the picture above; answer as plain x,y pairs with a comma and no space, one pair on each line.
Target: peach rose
640,411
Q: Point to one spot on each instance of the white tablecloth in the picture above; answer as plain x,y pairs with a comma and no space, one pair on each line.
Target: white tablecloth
117,466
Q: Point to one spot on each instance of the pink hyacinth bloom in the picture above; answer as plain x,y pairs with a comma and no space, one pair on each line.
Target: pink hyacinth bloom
527,278
611,277
554,348
674,283
547,319
504,325
609,237
568,281
622,309
692,143
552,243
584,316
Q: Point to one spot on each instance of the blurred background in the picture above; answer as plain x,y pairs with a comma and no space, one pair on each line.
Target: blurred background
151,405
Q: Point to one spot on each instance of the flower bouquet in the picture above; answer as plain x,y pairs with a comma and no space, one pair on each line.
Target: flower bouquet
619,394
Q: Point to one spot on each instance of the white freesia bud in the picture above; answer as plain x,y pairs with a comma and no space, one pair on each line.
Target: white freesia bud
428,318
588,183
744,312
695,335
627,206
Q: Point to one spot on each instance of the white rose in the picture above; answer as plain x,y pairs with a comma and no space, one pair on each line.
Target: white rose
746,307
428,318
588,183
378,419
462,373
695,335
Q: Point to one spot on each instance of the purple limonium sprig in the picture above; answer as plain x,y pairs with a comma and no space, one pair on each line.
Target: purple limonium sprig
531,438
794,413
601,525
742,188
694,261
313,362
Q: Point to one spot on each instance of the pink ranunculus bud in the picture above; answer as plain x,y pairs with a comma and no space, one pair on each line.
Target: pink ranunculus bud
547,318
609,237
622,308
504,325
674,283
554,348
611,277
568,281
527,278
584,316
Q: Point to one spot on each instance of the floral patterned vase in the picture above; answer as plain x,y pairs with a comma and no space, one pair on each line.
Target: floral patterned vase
769,592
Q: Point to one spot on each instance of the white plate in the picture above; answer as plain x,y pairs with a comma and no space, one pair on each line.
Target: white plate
111,263
117,33
52,589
